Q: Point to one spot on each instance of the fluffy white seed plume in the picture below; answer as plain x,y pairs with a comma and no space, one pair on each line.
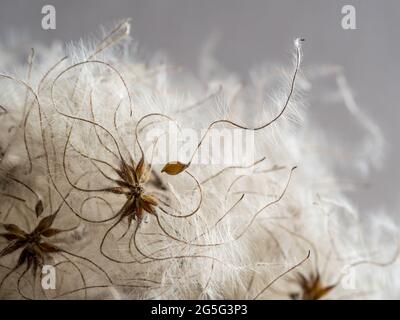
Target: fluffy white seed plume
96,141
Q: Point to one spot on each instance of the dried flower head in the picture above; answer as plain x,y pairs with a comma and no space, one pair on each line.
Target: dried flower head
147,228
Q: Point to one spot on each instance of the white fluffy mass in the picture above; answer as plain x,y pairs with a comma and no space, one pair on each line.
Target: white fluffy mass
276,225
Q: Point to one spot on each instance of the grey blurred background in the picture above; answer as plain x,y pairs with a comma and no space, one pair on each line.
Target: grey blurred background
253,31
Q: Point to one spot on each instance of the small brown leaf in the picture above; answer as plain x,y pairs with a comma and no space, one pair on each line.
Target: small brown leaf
12,228
138,211
49,248
323,291
146,174
140,169
51,232
122,183
39,208
128,208
174,168
150,199
23,257
13,246
121,174
146,206
9,236
311,286
45,224
127,173
36,250
118,190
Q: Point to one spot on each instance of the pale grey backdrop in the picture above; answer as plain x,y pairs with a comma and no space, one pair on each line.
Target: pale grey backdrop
253,31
